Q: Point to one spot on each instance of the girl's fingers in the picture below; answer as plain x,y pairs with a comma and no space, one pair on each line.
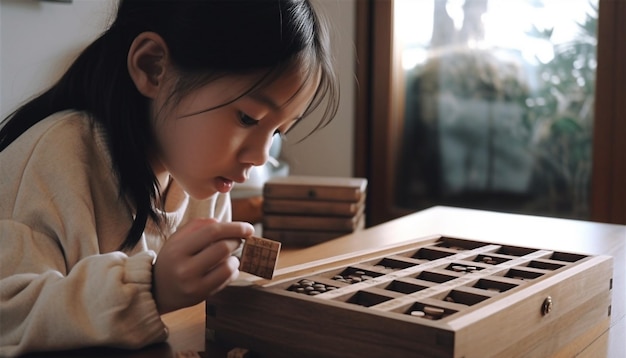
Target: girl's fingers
207,233
221,275
194,225
213,255
197,260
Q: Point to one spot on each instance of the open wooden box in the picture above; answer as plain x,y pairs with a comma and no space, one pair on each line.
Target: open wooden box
431,297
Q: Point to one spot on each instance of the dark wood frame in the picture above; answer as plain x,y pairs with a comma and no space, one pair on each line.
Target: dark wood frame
608,194
377,112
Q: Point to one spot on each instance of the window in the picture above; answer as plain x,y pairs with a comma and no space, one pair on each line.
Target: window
475,104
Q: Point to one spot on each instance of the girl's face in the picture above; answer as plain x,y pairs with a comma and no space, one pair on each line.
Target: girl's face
207,152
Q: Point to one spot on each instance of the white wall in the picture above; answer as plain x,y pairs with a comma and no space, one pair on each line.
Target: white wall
330,152
38,40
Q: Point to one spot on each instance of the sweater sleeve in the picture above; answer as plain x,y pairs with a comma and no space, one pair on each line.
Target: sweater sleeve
63,285
104,300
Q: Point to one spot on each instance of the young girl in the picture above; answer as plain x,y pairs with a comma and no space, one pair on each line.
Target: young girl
134,152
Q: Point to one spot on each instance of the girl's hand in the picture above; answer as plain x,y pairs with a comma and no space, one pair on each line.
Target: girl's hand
196,262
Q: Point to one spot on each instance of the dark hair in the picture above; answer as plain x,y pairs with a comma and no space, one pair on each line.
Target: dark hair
206,39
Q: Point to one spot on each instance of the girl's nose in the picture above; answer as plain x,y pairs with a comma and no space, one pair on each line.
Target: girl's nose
257,151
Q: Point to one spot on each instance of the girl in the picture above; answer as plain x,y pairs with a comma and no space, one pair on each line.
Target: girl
133,152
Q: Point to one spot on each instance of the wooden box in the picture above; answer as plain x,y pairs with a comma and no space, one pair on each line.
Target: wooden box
432,297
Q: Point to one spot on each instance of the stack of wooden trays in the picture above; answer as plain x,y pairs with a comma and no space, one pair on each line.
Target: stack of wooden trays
306,210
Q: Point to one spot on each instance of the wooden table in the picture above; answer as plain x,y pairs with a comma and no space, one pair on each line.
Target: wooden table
187,326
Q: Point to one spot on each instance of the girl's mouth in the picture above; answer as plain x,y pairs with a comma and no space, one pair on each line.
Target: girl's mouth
223,185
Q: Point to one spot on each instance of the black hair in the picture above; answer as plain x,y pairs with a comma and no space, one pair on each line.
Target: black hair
206,39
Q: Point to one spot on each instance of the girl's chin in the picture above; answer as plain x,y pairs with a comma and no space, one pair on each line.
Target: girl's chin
202,194
207,190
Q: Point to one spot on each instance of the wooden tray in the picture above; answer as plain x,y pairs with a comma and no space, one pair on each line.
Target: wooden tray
313,207
303,187
432,297
300,238
311,222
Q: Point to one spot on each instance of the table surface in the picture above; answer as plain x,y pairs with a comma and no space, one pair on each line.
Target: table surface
187,326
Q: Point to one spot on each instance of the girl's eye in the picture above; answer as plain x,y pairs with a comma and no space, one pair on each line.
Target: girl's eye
246,120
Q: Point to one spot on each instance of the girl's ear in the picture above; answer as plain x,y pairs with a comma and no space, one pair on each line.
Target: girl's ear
147,60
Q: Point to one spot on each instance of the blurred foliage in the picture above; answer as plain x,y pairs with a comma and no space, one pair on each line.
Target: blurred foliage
556,126
561,113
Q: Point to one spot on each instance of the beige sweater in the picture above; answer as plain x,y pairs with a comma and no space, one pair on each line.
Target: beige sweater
63,285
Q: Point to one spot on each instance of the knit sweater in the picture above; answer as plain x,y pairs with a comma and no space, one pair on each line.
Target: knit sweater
63,282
